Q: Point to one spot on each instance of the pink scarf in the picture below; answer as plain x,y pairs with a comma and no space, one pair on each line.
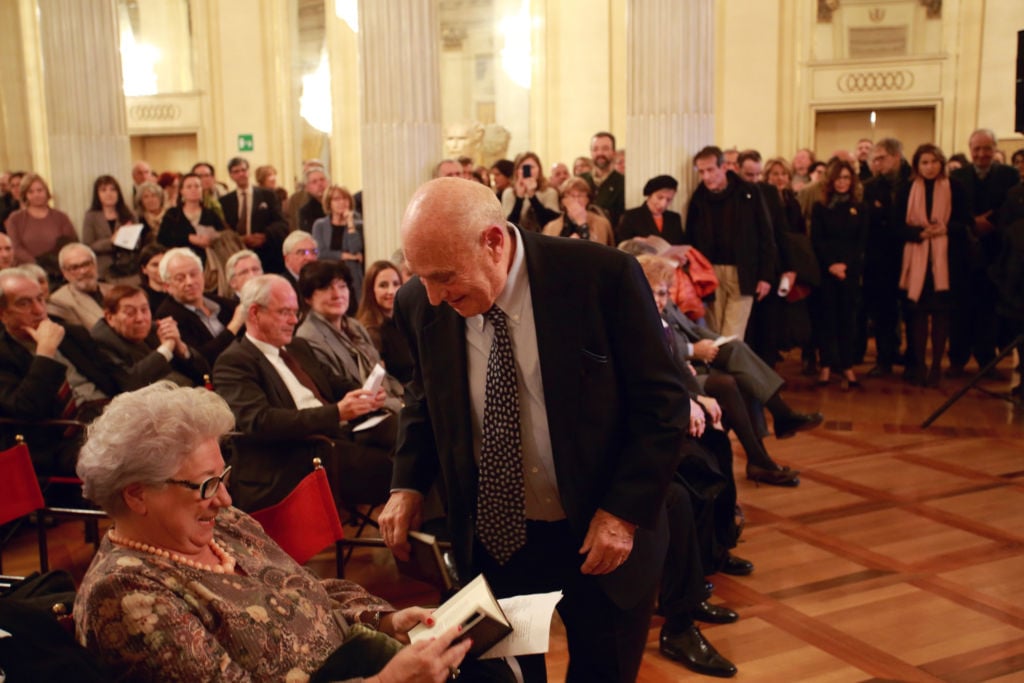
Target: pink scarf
915,254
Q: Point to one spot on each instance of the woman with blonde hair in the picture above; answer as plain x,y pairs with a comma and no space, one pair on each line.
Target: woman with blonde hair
579,218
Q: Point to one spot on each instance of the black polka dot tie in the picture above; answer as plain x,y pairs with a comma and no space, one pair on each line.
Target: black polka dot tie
501,509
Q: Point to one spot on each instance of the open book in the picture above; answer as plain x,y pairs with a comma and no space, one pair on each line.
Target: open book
476,610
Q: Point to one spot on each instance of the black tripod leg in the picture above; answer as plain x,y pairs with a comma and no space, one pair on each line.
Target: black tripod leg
1007,350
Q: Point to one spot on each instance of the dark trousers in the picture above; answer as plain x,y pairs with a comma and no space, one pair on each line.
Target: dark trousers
763,328
838,321
973,321
606,643
682,581
706,472
882,311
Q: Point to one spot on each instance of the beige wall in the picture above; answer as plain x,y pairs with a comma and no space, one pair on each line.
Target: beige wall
998,72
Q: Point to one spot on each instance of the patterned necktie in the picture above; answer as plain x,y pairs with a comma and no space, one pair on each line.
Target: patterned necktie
501,506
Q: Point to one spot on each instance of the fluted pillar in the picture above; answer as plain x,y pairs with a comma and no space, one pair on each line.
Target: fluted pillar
85,112
670,99
401,111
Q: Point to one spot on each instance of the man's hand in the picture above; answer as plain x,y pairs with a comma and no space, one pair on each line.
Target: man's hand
403,511
982,224
237,319
576,210
608,543
167,331
47,336
764,288
705,350
697,420
838,271
713,410
254,240
360,402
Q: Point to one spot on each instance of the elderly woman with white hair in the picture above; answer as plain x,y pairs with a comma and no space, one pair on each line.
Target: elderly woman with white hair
186,587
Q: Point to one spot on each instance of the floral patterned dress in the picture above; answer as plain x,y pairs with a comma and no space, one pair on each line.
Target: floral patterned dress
150,618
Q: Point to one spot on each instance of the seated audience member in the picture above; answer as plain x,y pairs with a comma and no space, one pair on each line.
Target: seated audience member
37,231
255,214
36,271
530,202
653,217
149,274
298,250
6,251
207,323
339,236
189,224
80,301
141,352
278,390
579,218
721,388
240,268
376,313
186,587
339,341
107,213
46,371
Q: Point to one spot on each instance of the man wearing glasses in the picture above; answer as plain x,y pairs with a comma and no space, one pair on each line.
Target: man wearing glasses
47,370
206,322
80,301
299,249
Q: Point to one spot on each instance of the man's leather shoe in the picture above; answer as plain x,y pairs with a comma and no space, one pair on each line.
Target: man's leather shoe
779,476
789,425
692,650
736,566
709,588
714,614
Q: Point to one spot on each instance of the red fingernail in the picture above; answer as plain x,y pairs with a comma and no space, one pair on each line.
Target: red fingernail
430,622
460,629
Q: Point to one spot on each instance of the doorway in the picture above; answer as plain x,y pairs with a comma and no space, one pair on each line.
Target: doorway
835,130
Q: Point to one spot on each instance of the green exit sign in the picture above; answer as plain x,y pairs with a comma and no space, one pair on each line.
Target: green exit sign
245,143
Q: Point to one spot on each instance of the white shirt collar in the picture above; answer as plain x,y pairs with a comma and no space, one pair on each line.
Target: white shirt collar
265,348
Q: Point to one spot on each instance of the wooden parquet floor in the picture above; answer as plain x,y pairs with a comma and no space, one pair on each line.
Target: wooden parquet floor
900,557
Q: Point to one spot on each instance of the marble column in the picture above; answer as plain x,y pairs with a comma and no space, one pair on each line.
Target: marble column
84,99
669,98
400,109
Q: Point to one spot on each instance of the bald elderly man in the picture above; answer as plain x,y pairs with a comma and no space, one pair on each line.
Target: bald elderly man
553,419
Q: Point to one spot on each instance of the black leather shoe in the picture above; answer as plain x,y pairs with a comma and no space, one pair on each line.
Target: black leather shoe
709,588
692,650
714,614
779,476
736,566
789,425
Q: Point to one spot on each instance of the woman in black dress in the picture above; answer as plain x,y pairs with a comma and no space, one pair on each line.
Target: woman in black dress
839,226
178,228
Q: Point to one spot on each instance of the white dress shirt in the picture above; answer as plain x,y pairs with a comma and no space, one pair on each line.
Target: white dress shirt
542,499
301,395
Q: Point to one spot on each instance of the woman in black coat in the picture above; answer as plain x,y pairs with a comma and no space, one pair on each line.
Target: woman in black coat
839,225
178,227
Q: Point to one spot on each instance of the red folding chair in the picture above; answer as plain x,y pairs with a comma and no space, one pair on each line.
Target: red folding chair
306,521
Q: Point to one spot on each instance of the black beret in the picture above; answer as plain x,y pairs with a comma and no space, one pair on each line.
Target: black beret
660,182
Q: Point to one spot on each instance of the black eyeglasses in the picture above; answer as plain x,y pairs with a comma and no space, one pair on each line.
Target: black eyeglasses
208,487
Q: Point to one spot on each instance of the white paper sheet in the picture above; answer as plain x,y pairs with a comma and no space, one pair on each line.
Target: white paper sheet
371,422
530,616
725,340
127,236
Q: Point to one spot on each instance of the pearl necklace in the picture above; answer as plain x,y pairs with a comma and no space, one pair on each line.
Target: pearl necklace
226,566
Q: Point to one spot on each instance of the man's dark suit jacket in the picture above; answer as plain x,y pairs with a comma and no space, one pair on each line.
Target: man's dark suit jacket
139,364
266,219
263,407
616,407
754,242
194,333
28,390
639,222
987,195
609,195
